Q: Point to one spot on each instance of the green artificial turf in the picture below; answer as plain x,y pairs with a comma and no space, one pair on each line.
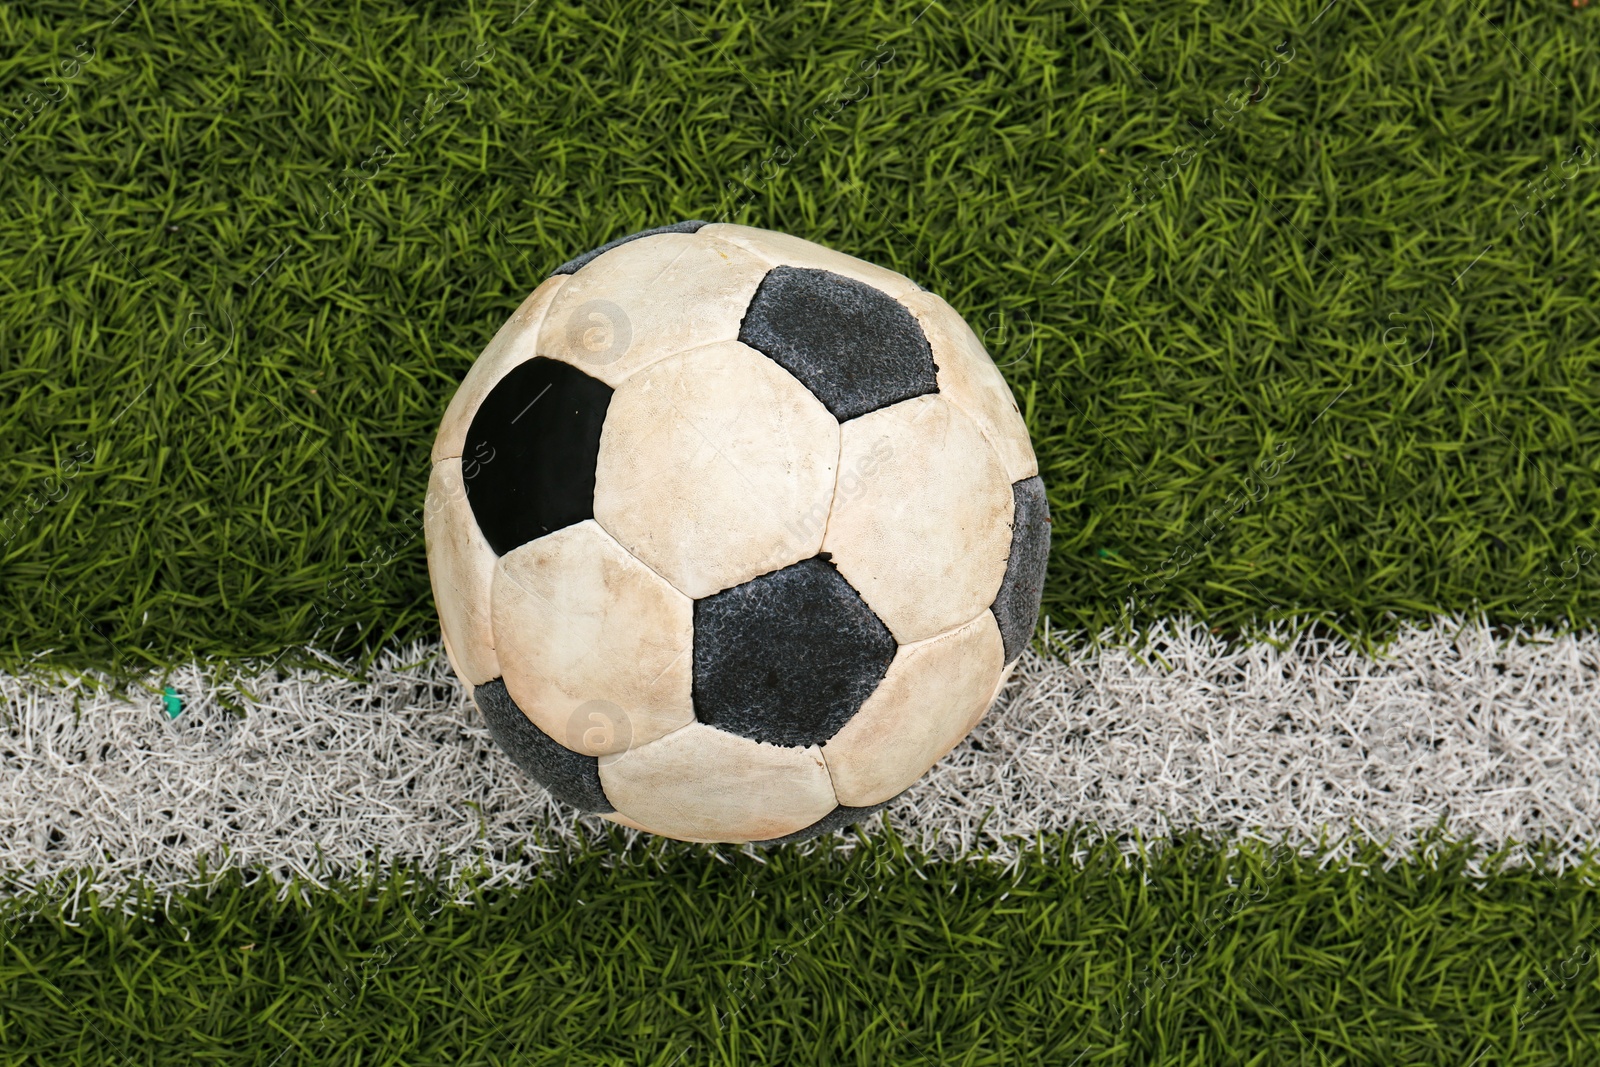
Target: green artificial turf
678,956
239,287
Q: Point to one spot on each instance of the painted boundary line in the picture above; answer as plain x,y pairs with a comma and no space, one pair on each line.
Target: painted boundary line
1498,740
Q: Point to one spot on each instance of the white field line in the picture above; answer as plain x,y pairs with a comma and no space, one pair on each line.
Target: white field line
1499,740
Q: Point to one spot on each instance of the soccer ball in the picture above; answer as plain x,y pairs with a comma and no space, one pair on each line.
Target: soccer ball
733,536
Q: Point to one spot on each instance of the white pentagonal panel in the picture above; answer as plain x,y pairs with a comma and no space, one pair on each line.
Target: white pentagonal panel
925,705
461,568
969,379
925,535
716,466
596,649
647,299
512,345
782,249
701,784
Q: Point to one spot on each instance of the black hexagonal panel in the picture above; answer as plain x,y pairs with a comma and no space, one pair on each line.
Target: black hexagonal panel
571,266
531,451
855,347
571,777
840,818
788,657
1016,609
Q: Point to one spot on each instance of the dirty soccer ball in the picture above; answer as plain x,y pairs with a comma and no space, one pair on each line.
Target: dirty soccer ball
733,536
